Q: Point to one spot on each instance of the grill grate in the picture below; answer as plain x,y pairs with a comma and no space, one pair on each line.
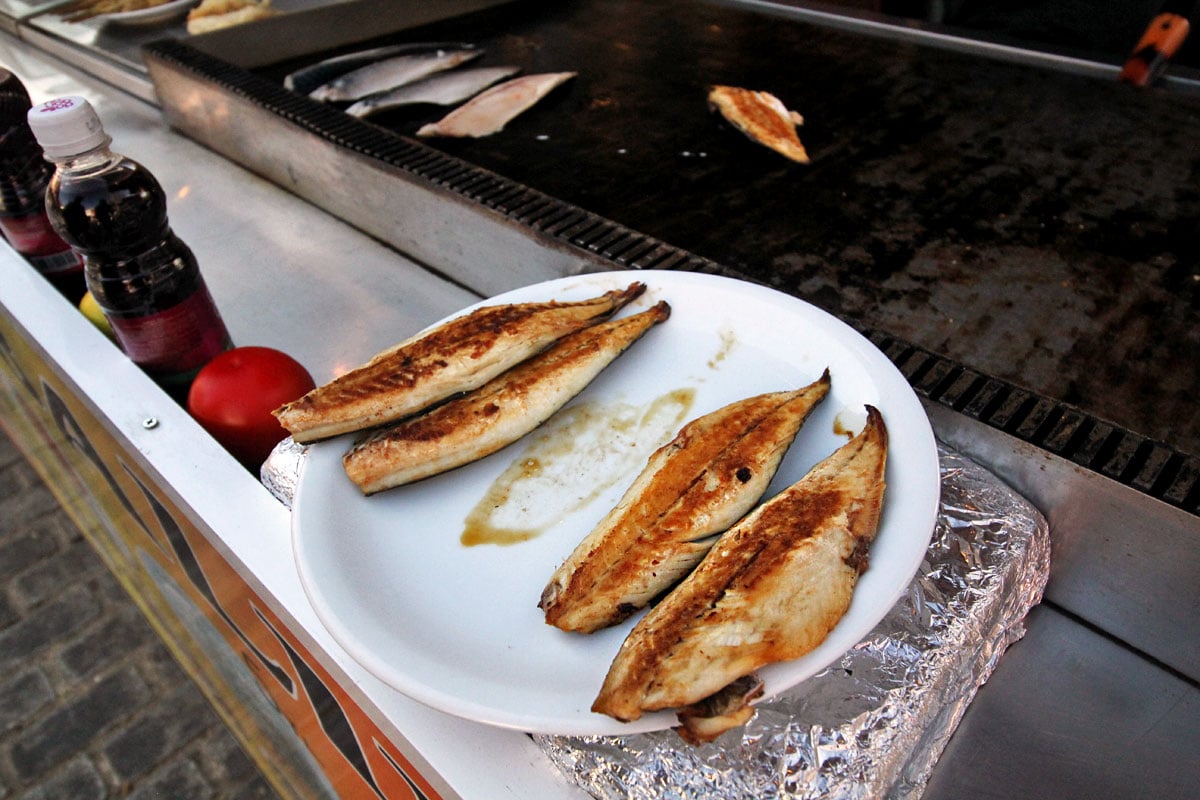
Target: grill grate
1150,467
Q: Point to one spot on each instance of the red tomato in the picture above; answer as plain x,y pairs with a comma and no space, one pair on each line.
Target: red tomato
234,394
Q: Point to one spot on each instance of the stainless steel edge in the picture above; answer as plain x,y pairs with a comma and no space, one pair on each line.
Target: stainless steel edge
473,245
1067,715
94,63
1124,562
325,27
898,30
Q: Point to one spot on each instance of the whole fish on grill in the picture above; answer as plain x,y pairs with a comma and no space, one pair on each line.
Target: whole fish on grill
762,117
390,73
498,413
691,490
489,112
771,589
306,79
443,89
454,357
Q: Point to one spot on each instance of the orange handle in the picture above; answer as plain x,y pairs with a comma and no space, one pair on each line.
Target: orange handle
1161,40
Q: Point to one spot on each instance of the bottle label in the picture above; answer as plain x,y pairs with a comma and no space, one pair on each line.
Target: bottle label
175,342
33,237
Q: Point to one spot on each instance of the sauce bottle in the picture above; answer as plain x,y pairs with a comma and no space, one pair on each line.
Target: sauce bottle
24,174
113,211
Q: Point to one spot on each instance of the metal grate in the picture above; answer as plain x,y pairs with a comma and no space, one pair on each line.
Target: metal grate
1150,467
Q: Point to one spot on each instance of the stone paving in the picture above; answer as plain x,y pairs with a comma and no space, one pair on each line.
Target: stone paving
92,705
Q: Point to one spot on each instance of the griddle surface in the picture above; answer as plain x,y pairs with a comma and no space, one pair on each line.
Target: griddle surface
1038,226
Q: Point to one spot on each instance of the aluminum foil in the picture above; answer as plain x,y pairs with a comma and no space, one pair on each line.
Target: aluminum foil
873,724
280,473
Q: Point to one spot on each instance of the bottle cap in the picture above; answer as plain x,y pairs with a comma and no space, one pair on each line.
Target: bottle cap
67,126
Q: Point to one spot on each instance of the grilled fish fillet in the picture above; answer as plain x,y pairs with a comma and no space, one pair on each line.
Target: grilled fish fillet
495,415
770,589
761,116
692,488
458,356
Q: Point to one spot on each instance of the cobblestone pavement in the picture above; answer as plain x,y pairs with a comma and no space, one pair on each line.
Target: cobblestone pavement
92,705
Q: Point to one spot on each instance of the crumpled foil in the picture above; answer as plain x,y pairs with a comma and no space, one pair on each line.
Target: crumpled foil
871,725
280,473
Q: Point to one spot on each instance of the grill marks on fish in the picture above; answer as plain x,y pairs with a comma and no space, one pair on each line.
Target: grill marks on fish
443,89
381,76
489,112
762,117
770,589
502,411
455,357
693,488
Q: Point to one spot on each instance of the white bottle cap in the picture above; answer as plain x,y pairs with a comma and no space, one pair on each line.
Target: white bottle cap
67,126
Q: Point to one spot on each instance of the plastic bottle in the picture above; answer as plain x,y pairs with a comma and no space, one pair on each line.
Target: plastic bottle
24,174
144,278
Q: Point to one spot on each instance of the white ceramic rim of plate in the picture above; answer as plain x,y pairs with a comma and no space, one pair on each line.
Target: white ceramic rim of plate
921,502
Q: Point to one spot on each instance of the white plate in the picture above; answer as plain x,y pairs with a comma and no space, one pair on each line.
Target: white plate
155,15
457,627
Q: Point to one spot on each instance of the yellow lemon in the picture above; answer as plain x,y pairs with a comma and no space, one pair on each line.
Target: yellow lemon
91,310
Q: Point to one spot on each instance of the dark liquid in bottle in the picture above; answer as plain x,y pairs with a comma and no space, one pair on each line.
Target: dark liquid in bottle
142,275
24,174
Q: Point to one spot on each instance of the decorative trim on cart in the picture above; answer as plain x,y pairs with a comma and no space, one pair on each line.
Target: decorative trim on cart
1152,468
307,733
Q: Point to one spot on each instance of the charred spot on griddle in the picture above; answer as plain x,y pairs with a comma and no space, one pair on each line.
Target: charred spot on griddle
743,474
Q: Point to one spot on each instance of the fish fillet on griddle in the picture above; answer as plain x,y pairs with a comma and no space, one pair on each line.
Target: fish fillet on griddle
455,357
692,489
769,590
478,424
762,117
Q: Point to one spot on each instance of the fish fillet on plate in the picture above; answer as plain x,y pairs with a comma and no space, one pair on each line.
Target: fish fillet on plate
691,490
501,411
762,117
771,589
489,112
455,357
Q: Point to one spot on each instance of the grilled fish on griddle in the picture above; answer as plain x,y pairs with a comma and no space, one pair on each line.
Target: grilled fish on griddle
455,357
308,78
769,590
443,89
389,73
762,117
498,413
489,112
692,489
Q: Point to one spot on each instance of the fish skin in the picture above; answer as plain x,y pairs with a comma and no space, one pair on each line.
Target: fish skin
497,414
456,356
306,79
762,117
489,112
770,590
692,489
443,89
390,73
